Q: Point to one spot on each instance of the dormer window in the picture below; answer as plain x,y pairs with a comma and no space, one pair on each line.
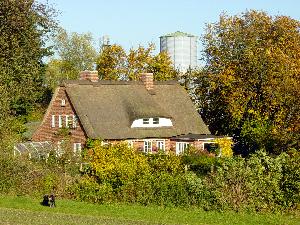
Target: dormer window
152,122
63,102
146,121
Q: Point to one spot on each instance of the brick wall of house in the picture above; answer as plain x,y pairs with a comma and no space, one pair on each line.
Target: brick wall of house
198,144
48,133
170,145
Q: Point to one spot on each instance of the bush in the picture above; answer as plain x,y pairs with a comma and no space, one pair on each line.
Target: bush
115,164
290,180
261,183
88,189
201,164
22,176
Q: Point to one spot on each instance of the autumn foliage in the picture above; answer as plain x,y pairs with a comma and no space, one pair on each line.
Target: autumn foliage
250,85
114,63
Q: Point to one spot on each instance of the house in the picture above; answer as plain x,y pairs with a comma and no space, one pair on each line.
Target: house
149,115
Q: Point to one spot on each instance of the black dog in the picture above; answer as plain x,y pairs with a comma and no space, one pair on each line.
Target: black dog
52,200
45,201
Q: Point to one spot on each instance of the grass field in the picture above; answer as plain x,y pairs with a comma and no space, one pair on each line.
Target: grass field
22,210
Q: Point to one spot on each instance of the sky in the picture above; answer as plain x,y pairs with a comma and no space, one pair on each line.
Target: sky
138,22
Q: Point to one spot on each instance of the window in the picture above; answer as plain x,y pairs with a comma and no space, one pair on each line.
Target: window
60,121
146,121
156,120
63,102
147,146
212,147
77,148
181,146
75,119
160,145
53,121
67,121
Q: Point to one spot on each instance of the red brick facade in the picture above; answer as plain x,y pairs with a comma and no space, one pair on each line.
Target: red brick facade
49,130
169,145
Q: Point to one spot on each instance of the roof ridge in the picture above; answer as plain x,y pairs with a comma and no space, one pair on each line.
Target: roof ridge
113,82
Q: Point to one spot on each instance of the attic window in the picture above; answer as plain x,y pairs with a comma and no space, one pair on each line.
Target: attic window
152,122
146,121
63,102
156,120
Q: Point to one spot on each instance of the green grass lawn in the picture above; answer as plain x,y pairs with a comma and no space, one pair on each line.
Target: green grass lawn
23,210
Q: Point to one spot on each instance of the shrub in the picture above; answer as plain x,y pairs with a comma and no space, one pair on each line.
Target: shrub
200,164
225,146
197,191
258,183
169,163
115,164
88,189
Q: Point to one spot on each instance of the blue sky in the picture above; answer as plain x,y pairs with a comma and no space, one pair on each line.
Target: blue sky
133,22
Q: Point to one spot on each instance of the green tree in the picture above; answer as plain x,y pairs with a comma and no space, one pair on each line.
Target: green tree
24,29
250,85
75,52
54,73
113,63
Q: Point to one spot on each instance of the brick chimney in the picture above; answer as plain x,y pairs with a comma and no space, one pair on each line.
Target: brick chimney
89,75
147,79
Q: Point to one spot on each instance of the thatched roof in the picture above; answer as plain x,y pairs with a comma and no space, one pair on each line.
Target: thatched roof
107,109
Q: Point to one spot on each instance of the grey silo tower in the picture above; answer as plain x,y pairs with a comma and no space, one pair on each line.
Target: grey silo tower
182,48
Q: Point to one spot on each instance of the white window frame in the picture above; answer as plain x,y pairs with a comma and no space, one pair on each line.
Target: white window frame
63,102
75,120
181,147
53,121
161,143
211,142
147,146
67,120
60,122
77,147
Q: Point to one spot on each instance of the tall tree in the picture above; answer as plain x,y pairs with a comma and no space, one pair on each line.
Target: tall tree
24,28
250,85
76,52
113,63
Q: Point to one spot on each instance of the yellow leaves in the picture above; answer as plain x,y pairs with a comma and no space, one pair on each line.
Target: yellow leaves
225,145
111,62
117,163
251,111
